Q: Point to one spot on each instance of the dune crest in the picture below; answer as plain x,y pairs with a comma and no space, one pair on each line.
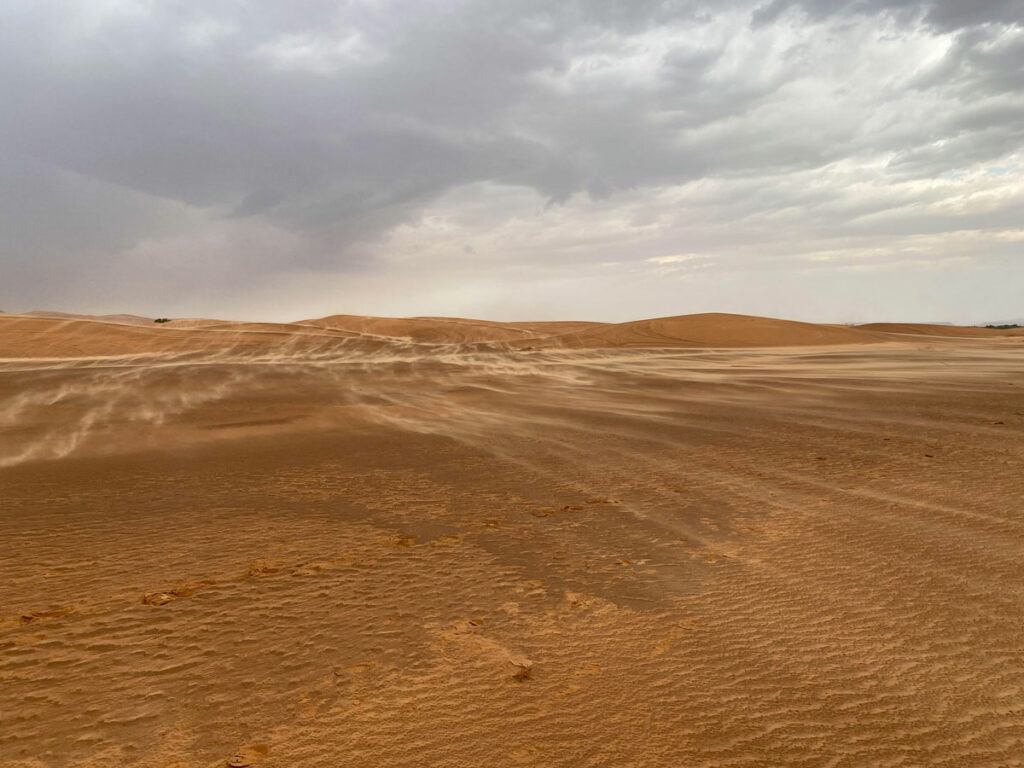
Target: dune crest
36,335
949,331
716,330
428,330
121,319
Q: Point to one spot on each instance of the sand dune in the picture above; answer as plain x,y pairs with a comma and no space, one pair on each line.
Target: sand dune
33,336
38,336
23,336
430,330
707,330
716,330
353,544
555,328
121,319
272,328
922,329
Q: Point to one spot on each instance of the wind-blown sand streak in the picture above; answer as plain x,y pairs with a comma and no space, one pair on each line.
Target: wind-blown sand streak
355,543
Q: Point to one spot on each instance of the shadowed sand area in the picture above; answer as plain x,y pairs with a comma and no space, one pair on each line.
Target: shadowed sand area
697,541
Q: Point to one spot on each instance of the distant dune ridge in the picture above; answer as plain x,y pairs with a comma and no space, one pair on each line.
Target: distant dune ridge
717,330
55,334
428,330
123,319
43,337
919,329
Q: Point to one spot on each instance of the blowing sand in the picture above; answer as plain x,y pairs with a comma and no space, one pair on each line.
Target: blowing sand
699,541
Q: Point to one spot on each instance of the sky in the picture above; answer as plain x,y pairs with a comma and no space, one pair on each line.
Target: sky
815,160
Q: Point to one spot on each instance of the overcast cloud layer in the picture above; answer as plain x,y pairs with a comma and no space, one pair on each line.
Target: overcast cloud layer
522,159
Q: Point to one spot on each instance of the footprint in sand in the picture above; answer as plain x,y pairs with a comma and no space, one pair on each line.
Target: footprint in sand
468,625
315,566
167,596
578,601
247,756
256,570
32,618
446,541
715,557
524,671
549,511
353,671
526,755
159,598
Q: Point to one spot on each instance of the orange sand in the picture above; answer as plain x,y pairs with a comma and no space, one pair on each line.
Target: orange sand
697,541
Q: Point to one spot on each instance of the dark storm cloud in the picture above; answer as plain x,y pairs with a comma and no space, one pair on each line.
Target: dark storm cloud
272,136
942,14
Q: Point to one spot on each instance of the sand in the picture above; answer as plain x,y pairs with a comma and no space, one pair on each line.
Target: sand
694,541
918,329
717,330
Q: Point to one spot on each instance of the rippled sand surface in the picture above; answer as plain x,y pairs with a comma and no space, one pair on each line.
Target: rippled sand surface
312,547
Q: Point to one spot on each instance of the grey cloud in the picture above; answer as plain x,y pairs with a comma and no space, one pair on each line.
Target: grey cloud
945,15
317,128
955,14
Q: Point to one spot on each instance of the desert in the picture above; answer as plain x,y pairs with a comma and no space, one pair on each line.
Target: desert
702,540
520,384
